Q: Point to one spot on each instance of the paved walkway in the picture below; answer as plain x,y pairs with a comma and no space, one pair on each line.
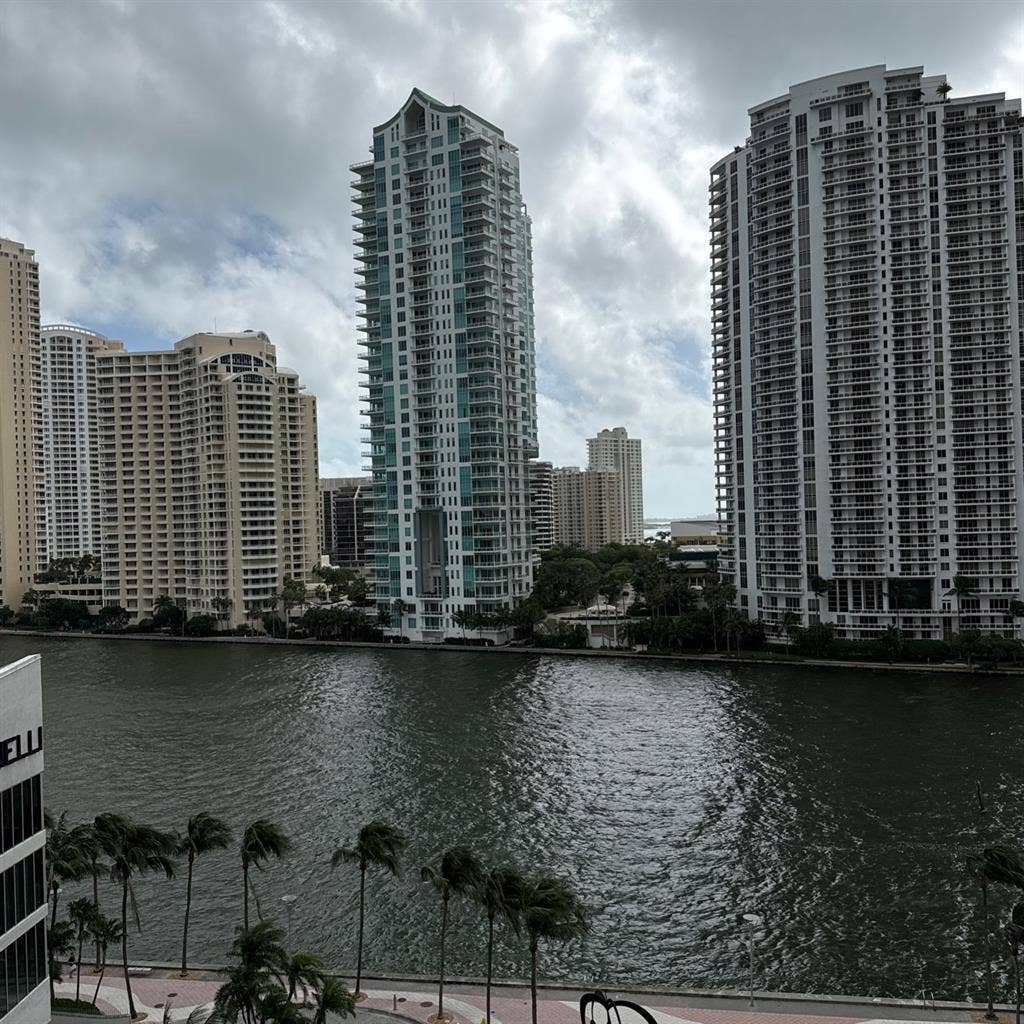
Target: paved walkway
153,994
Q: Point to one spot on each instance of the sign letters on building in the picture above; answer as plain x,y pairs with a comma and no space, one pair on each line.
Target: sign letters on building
25,744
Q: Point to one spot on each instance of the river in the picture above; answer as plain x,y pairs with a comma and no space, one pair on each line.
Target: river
834,803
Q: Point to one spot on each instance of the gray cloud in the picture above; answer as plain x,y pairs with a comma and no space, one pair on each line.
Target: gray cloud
177,164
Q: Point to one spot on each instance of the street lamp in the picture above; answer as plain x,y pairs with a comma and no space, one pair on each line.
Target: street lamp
288,901
752,921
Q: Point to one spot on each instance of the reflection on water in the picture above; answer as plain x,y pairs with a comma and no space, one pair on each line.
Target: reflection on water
833,804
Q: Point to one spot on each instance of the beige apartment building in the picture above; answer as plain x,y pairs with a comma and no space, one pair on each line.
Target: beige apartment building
614,450
208,469
588,507
21,542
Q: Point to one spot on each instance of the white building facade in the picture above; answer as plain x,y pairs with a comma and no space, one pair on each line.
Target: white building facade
866,329
615,451
69,442
24,986
443,244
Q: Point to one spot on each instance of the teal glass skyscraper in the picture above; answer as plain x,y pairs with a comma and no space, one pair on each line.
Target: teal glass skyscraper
444,267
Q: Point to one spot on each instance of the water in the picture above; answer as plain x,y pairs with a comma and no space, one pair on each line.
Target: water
835,804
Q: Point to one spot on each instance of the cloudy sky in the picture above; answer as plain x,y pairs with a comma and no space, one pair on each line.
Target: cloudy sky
178,166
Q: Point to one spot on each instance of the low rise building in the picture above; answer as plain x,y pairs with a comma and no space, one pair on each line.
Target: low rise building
24,987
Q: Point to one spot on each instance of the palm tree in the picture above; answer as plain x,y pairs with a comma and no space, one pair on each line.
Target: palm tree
962,587
89,849
262,963
944,89
306,970
996,865
82,914
457,873
60,944
400,609
333,997
63,855
106,930
378,845
551,910
500,894
203,834
133,849
261,840
1015,937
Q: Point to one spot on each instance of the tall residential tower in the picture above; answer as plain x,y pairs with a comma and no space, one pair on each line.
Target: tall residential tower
22,543
867,257
69,442
445,269
208,469
614,450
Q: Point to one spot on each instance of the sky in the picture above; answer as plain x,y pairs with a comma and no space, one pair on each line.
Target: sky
181,167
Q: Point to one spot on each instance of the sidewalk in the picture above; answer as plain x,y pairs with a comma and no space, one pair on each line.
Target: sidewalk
511,1005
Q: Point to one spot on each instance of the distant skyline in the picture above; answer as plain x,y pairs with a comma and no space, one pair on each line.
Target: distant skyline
177,165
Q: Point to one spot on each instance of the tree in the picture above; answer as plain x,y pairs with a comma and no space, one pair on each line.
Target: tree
718,595
457,873
944,89
133,849
400,608
261,840
201,625
222,606
551,910
293,592
106,931
249,992
112,618
378,845
88,846
306,970
333,997
499,893
6,615
963,586
1015,939
996,865
82,914
203,834
167,615
359,592
65,860
60,944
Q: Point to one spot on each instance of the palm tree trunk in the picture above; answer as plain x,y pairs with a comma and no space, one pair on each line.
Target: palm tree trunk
490,955
124,950
359,944
533,980
55,889
99,980
245,894
188,910
990,1012
78,968
96,904
440,984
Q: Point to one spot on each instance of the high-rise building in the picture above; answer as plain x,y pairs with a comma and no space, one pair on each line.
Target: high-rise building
588,510
346,506
542,506
614,450
21,539
69,443
24,988
208,468
866,327
443,242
